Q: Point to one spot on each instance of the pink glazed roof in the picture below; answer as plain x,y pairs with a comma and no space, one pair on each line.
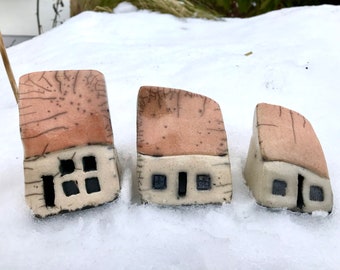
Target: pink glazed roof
285,135
62,109
176,122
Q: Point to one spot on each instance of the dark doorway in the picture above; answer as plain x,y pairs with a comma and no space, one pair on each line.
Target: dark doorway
182,184
48,186
299,203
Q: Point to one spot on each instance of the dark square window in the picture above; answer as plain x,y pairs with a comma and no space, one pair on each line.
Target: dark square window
203,182
159,181
92,185
89,163
66,166
316,193
279,187
70,188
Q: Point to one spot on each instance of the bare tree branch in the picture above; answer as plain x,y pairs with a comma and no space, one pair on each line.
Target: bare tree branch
38,17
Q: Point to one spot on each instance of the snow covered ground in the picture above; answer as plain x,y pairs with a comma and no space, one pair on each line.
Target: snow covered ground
295,62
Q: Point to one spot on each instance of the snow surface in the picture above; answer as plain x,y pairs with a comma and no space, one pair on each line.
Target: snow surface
295,62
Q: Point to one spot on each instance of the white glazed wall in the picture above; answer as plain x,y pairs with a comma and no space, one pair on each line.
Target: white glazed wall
260,176
218,167
107,173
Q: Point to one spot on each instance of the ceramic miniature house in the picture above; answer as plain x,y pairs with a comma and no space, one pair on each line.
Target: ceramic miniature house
70,161
286,167
182,148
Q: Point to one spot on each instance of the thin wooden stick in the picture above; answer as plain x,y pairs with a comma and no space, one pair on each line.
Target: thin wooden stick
8,69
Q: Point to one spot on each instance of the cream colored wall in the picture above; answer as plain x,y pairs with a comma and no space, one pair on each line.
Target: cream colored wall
218,167
18,17
259,176
106,172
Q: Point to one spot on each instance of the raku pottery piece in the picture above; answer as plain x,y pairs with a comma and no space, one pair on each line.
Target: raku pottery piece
182,148
70,161
286,167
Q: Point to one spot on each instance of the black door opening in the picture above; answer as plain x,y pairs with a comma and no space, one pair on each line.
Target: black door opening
48,186
182,184
299,203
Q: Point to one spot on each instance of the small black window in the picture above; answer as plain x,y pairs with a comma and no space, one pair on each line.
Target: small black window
70,188
316,193
279,187
159,181
92,185
203,182
89,163
66,166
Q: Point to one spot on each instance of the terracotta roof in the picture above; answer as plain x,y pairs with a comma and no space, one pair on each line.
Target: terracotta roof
285,135
176,122
61,109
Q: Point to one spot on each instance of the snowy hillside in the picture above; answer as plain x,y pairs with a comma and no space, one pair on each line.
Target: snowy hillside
295,62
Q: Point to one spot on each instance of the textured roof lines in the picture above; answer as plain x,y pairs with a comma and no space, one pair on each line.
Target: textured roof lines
285,135
177,122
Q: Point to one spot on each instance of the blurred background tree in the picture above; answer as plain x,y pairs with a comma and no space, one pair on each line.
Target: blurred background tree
210,9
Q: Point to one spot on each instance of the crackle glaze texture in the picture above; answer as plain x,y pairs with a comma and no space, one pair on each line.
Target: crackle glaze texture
62,109
181,138
285,135
70,162
286,167
187,123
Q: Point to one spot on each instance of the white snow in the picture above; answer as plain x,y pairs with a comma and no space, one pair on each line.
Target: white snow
295,62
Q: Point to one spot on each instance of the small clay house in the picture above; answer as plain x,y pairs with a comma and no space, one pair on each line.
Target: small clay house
182,148
286,167
70,161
